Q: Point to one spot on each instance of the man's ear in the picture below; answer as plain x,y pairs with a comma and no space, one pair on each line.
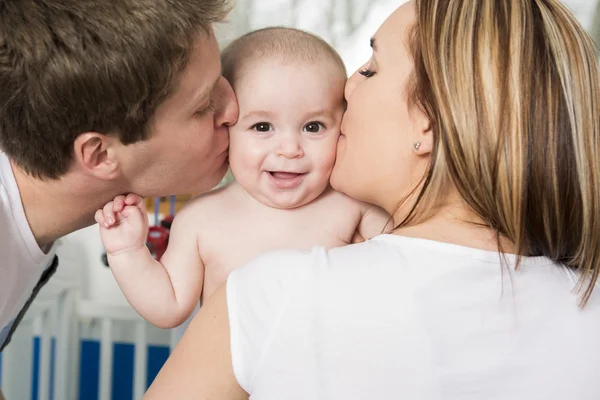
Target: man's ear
95,153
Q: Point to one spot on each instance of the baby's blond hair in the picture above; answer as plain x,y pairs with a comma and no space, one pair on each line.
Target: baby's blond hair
287,44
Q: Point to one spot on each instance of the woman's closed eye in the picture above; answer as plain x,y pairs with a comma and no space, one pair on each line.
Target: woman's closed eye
262,127
367,73
368,69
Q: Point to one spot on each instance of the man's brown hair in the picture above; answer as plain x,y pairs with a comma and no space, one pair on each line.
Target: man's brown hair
74,66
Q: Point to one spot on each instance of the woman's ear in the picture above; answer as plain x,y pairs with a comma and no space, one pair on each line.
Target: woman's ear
95,154
422,133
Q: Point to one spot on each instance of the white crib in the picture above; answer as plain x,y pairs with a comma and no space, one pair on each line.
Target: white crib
50,316
46,349
42,362
44,359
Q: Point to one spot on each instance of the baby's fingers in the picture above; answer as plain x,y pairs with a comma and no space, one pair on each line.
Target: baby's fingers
99,217
118,204
137,201
133,199
109,214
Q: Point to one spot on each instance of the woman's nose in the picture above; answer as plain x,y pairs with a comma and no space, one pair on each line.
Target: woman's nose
350,85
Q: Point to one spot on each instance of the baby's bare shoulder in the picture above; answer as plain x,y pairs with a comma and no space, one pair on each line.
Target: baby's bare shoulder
340,201
210,206
337,208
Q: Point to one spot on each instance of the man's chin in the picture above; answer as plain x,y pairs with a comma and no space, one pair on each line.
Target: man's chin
224,168
217,177
192,185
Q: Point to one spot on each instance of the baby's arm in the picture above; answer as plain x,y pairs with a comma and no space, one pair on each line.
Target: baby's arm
374,221
166,292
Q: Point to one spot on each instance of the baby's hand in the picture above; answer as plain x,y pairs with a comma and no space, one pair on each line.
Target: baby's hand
123,224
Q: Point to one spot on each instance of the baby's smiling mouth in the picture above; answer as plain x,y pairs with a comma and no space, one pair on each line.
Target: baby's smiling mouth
285,175
286,180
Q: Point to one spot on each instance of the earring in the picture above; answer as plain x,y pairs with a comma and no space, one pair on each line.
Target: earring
417,145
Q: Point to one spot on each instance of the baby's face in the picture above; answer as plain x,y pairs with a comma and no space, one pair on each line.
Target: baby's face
283,147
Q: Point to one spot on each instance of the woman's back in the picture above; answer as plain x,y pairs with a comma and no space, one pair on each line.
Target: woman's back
397,317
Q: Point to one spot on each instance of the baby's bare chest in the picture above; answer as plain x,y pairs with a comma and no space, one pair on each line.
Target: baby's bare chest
240,238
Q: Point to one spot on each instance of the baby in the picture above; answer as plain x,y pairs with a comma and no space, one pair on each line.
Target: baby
289,85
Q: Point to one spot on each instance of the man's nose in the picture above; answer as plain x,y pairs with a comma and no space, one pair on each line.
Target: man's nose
227,107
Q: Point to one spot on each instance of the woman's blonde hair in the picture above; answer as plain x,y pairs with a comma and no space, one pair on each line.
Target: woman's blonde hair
512,89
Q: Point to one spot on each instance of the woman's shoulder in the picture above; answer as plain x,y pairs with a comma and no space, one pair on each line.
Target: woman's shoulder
278,266
284,268
317,255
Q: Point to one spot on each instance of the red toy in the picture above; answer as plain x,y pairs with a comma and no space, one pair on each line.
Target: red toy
158,238
158,235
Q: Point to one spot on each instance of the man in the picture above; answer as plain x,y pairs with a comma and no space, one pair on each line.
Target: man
100,98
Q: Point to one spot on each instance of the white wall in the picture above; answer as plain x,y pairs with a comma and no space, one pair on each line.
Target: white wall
86,247
583,10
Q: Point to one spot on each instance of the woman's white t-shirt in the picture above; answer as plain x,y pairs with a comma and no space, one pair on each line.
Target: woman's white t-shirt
405,318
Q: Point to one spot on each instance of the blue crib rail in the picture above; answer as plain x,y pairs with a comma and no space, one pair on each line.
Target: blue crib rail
123,361
89,368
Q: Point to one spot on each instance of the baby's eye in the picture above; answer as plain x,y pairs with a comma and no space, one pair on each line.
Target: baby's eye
262,127
313,127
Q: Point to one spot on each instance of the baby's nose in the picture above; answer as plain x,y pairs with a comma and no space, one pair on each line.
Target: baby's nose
290,147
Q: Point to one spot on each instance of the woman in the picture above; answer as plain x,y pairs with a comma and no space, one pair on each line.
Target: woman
476,125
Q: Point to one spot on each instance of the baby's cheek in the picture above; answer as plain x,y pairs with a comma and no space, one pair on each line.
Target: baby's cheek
333,148
327,160
241,160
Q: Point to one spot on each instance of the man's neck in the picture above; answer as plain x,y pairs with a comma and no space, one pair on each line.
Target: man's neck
55,208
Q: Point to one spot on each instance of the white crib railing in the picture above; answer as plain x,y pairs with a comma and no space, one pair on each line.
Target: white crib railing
61,318
107,314
52,316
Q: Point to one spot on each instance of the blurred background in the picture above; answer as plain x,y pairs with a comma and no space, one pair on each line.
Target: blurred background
80,339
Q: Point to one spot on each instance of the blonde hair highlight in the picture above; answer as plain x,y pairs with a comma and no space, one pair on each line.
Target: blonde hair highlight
513,93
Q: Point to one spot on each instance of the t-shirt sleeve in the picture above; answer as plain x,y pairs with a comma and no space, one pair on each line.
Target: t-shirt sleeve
257,297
